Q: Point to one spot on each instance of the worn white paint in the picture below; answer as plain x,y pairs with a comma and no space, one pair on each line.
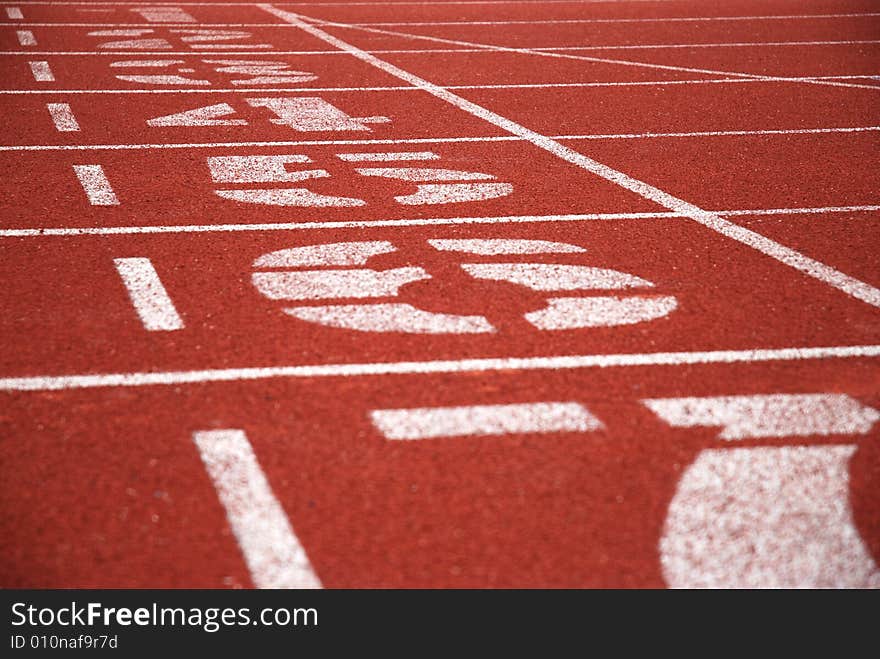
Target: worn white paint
149,297
773,415
62,117
500,246
14,13
164,14
274,555
766,517
421,174
26,38
387,156
41,71
454,193
555,276
350,253
567,313
324,284
311,114
431,422
96,185
260,169
391,317
210,115
297,197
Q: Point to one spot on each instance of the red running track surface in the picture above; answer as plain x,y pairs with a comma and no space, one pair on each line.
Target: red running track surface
556,294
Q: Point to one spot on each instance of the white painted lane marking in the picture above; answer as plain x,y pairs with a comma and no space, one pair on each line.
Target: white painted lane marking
431,422
420,140
273,553
435,221
555,276
534,85
62,117
423,174
776,415
391,317
59,382
41,72
568,313
14,13
96,186
312,113
477,23
766,518
454,193
159,14
500,246
387,156
26,38
331,284
807,266
548,53
349,253
657,19
149,297
210,115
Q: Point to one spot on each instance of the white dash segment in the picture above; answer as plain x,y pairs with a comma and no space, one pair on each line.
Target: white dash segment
14,13
388,157
96,186
148,295
273,553
26,38
42,72
431,422
63,117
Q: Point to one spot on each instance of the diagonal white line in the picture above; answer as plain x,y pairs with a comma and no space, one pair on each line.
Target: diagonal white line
586,58
849,285
274,555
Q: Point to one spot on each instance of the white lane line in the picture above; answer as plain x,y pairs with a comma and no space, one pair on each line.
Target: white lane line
306,226
41,72
792,258
431,140
482,23
14,13
473,49
43,232
96,186
564,362
149,297
431,422
404,88
801,211
62,117
273,553
581,21
766,517
585,58
26,38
